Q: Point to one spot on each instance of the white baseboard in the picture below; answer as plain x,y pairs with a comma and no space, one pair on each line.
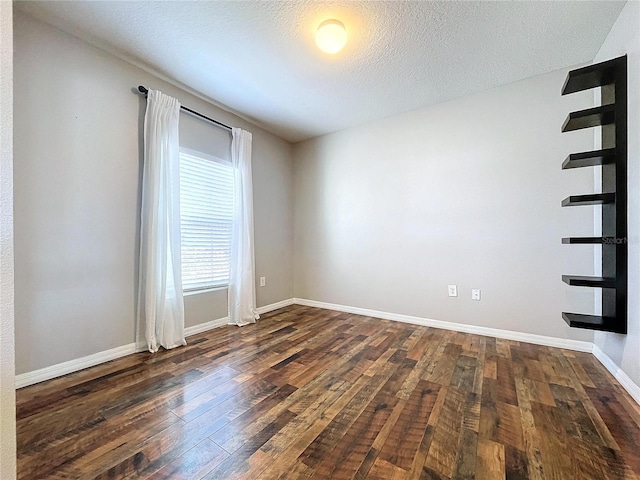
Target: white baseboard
276,306
626,382
206,326
203,327
47,373
458,327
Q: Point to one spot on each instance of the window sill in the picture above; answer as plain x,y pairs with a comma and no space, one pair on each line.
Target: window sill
188,293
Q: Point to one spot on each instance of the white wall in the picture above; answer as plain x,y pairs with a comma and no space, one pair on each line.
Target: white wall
7,390
466,192
624,38
77,189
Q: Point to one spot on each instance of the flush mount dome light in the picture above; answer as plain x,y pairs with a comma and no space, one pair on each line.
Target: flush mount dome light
331,36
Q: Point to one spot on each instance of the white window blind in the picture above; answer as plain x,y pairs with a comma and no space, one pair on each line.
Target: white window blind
206,209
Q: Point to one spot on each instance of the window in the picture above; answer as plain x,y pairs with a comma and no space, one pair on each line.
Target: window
206,210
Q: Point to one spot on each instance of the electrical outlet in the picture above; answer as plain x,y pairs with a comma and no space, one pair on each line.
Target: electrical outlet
453,290
475,294
263,281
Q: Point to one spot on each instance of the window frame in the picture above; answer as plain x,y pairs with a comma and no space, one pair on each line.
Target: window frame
210,158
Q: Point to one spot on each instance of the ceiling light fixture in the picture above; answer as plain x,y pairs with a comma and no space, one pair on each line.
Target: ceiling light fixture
331,36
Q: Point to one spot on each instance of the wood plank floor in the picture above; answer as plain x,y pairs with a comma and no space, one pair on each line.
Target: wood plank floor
311,393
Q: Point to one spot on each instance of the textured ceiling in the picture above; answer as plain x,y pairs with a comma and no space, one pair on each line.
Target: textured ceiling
259,58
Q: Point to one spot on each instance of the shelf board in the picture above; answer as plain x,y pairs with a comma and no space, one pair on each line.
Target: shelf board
591,117
582,240
590,199
590,159
582,281
590,76
593,322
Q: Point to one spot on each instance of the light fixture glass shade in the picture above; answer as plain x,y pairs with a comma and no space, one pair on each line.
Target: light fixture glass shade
331,36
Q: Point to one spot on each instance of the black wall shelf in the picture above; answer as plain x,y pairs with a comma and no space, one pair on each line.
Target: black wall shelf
582,281
592,76
590,199
591,117
583,240
611,78
590,159
593,322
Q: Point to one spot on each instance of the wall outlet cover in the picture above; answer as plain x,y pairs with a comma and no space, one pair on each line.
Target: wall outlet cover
453,290
475,294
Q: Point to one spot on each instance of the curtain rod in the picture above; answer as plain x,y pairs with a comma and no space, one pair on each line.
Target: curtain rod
145,91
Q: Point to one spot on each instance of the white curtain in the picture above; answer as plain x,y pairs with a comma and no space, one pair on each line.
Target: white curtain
160,302
242,289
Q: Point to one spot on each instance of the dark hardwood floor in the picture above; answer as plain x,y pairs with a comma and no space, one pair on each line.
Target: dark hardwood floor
311,393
